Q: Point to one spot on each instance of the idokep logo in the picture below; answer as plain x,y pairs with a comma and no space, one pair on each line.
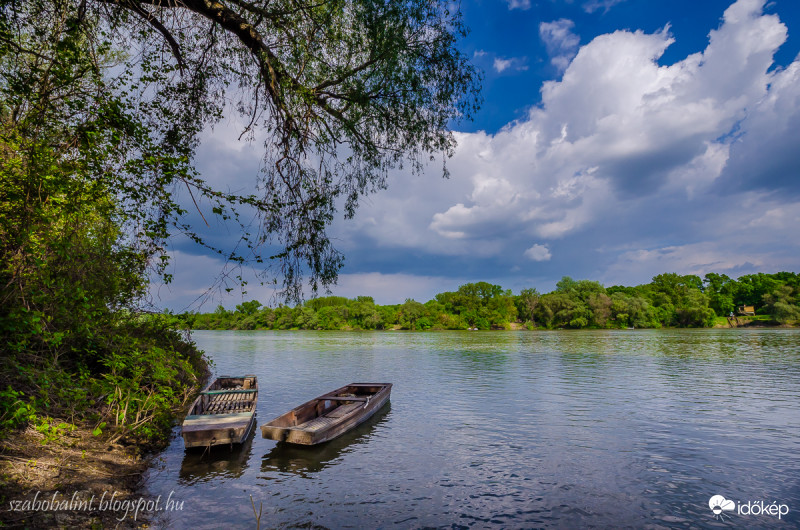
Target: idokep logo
719,505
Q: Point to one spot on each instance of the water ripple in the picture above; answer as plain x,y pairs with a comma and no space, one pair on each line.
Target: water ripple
512,430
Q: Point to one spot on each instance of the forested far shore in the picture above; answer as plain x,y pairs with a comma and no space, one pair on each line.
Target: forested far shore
669,300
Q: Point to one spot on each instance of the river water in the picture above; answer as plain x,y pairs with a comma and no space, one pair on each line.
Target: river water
508,429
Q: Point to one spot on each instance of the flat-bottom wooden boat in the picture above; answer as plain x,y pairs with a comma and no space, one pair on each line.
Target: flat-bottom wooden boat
305,460
330,415
223,413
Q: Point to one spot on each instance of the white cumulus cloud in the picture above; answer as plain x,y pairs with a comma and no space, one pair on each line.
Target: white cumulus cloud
538,253
596,5
519,4
514,63
560,41
635,167
502,64
618,134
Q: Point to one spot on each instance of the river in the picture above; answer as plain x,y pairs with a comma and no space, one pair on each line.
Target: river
508,429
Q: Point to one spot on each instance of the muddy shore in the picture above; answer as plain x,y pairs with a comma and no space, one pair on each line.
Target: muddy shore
76,481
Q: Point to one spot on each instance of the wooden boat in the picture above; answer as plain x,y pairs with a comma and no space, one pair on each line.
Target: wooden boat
330,415
223,413
305,460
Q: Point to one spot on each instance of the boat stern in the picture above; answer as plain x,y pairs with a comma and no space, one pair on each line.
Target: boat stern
204,431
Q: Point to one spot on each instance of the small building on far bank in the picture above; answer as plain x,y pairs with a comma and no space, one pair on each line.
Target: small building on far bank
747,310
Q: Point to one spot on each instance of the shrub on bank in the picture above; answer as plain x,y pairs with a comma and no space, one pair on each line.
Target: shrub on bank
128,384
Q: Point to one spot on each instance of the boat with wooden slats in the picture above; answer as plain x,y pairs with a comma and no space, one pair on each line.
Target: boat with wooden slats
329,415
223,413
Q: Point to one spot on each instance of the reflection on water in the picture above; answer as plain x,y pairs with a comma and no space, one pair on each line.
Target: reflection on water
220,462
306,460
564,429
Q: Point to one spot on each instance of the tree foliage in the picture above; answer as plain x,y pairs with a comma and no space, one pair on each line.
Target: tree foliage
670,300
102,103
70,346
339,92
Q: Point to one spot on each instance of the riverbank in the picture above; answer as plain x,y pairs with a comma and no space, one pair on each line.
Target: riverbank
76,481
758,321
720,323
79,423
669,301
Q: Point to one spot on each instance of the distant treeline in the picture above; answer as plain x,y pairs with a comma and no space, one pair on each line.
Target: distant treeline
670,300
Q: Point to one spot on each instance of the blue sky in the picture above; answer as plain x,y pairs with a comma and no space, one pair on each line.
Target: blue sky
618,139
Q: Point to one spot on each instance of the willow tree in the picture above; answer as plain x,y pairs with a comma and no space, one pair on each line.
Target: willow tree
102,103
339,92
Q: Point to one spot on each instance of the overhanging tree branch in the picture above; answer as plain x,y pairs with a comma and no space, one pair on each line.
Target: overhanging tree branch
146,15
341,91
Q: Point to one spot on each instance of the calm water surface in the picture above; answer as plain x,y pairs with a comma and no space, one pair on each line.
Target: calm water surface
508,429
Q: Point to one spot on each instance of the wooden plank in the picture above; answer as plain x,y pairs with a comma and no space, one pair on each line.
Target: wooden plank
343,398
204,418
317,423
205,421
224,426
230,391
353,419
343,410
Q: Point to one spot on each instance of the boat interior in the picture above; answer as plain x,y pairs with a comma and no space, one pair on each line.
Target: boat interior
325,410
227,395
